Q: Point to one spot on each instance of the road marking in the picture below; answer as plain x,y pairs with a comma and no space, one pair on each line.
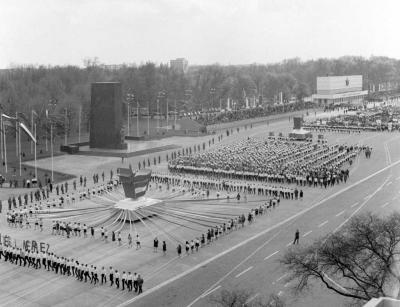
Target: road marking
384,205
202,264
287,284
389,183
290,243
340,213
280,293
252,298
274,253
355,204
29,291
367,197
360,207
283,276
209,292
240,274
322,224
307,233
235,268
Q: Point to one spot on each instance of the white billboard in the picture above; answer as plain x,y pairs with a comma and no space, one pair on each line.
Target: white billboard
339,84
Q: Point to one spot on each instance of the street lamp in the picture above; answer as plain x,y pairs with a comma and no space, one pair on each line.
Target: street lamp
130,97
161,95
212,93
187,97
65,126
52,104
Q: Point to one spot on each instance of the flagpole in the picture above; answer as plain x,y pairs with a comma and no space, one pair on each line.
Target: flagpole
51,148
45,131
79,125
137,118
16,134
35,154
31,130
5,146
148,118
65,141
1,136
129,115
175,115
167,114
19,143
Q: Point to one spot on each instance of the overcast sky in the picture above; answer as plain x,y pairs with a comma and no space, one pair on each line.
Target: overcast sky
59,32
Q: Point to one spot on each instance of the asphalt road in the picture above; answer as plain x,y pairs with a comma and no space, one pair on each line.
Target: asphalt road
246,258
253,264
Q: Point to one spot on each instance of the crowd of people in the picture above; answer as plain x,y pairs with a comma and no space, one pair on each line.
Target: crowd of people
72,267
212,234
274,161
50,196
235,115
201,186
249,167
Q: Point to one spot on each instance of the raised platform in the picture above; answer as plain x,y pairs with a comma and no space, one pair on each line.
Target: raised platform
86,151
134,204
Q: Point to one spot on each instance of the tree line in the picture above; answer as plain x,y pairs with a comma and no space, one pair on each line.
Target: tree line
66,89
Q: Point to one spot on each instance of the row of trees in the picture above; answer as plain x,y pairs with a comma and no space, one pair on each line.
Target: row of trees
26,88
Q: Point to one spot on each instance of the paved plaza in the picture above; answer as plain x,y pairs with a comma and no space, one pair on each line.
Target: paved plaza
240,258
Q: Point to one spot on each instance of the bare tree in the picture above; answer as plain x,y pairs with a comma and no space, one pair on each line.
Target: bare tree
357,262
243,298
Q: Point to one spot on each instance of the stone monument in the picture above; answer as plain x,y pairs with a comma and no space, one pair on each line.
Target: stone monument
106,129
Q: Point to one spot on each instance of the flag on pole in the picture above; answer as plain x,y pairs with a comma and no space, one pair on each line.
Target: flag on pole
8,120
25,128
9,117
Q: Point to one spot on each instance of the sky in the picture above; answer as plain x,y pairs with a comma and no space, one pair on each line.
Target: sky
64,32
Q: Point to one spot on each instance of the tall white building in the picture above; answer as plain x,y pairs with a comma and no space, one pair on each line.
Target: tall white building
179,64
339,89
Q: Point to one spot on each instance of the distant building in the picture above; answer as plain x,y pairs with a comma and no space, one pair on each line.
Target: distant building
112,66
339,89
179,65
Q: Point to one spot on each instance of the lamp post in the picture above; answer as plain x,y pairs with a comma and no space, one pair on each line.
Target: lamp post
79,126
187,96
175,116
212,93
48,117
130,97
137,118
167,113
65,126
160,95
158,115
148,117
52,104
51,149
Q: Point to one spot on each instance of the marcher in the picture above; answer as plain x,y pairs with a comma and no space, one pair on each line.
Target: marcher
155,245
296,237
